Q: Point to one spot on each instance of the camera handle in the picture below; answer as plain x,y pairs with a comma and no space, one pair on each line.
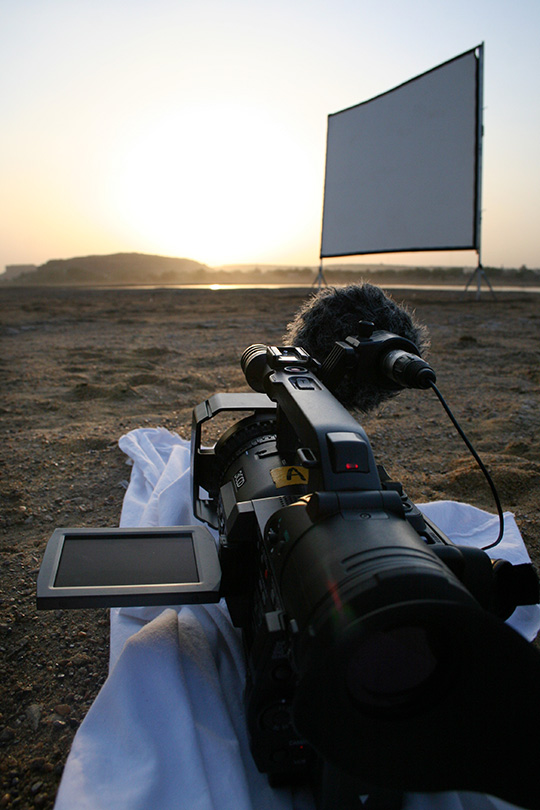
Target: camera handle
203,458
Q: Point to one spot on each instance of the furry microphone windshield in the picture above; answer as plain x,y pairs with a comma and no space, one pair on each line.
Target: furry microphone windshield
333,314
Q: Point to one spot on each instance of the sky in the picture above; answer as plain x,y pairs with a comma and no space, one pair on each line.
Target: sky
197,128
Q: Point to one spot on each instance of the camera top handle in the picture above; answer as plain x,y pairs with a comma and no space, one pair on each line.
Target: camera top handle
314,430
326,438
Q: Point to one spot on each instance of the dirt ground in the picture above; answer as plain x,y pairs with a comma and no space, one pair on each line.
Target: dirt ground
79,368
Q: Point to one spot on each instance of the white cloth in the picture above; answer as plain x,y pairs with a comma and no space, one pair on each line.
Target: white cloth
167,730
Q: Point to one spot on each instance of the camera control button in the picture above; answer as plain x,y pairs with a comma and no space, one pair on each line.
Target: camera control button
276,717
304,383
279,756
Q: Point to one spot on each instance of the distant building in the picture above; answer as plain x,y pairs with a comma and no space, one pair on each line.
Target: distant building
15,270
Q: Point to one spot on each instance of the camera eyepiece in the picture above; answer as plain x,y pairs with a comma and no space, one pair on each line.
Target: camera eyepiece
254,365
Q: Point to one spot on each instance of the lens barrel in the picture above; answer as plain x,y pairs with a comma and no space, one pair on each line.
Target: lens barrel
380,623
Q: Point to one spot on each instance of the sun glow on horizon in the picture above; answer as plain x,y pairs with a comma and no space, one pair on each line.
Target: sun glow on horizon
214,181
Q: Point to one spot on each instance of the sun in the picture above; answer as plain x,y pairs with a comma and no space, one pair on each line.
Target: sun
216,182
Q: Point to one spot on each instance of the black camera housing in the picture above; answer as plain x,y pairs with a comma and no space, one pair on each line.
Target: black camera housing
367,633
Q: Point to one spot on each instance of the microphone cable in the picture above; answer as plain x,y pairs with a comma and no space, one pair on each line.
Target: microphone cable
480,463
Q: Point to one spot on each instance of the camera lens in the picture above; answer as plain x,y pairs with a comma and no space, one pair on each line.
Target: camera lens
387,668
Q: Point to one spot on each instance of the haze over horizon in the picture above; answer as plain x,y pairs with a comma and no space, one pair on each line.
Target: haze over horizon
198,129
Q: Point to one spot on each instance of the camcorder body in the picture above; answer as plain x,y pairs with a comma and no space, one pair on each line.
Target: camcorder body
376,650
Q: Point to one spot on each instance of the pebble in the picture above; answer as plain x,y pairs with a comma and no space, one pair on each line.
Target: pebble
33,713
9,764
37,764
7,734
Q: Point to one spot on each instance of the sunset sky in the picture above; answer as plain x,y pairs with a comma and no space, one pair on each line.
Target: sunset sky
197,128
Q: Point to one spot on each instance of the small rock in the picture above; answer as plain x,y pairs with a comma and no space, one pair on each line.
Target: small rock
37,764
33,714
81,659
9,764
7,734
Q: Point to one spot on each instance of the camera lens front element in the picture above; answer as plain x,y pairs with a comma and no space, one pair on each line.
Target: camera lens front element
387,668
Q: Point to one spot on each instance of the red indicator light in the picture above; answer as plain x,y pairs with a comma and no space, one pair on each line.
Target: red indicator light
350,466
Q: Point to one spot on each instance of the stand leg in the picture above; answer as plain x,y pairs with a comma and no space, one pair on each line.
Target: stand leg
477,275
320,280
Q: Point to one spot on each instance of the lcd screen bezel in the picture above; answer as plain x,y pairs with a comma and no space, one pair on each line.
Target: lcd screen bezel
203,589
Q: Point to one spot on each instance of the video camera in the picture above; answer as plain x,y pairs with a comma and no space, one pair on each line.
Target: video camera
377,655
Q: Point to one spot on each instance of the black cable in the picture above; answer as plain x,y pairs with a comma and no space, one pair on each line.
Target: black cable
480,464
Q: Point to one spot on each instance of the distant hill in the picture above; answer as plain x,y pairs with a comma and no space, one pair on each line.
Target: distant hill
140,268
15,270
117,268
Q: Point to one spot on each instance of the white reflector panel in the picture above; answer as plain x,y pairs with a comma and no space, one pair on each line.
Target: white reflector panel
402,170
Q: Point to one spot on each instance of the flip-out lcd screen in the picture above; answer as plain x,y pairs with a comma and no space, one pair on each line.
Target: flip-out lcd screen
141,559
129,567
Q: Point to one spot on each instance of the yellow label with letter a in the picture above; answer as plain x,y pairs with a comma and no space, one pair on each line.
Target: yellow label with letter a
289,476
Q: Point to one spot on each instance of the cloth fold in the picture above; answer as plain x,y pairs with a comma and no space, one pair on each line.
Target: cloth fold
167,730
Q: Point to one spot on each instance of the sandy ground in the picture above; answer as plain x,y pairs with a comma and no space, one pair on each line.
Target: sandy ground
80,368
